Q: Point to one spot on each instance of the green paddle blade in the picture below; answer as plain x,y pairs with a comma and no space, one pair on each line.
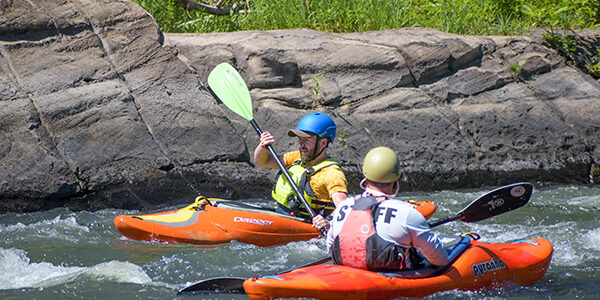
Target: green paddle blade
230,87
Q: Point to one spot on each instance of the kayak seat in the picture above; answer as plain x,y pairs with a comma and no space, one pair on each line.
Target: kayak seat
455,246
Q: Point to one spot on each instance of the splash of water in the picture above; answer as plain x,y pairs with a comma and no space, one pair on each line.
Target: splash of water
17,271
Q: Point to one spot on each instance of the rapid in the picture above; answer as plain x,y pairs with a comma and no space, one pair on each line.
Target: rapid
62,254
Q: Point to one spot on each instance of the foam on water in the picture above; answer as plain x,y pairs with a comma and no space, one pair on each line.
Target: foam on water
59,249
591,240
58,222
65,228
17,271
293,253
586,201
576,196
565,238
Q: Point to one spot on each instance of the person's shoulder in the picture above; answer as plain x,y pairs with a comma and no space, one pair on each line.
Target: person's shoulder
333,175
294,154
414,216
349,201
333,167
401,204
396,203
291,157
332,161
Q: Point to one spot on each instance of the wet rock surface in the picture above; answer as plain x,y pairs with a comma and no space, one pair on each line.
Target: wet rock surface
99,108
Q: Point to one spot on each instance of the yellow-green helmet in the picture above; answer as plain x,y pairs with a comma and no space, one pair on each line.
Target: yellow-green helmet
381,164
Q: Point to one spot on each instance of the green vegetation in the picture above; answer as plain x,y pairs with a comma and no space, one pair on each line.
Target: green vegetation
479,17
570,46
317,79
514,70
342,139
565,45
475,17
594,67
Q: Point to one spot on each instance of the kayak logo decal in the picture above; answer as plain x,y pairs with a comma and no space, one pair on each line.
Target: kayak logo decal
252,221
495,203
488,266
517,191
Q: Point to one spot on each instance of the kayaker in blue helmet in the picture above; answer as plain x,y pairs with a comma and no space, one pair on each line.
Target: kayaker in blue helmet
315,173
376,232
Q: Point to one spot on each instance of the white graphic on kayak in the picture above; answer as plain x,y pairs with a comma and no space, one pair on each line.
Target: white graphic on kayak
496,203
252,221
488,266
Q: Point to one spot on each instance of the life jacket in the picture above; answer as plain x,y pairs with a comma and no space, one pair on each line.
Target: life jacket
358,244
285,195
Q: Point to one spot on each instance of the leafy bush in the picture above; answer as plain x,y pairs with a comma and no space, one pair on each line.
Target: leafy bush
484,17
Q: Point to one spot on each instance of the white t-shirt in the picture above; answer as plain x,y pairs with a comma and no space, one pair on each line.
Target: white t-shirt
397,222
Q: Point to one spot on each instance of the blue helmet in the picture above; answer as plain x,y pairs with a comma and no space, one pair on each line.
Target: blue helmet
317,123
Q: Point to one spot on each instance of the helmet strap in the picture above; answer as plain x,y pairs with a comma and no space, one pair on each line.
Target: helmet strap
363,185
396,189
313,156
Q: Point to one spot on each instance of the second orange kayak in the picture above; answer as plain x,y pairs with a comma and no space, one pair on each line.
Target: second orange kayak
216,221
474,265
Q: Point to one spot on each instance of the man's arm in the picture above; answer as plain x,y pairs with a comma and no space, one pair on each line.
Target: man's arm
425,240
261,153
338,197
320,222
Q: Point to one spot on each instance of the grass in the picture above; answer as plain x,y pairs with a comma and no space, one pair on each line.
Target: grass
475,17
467,17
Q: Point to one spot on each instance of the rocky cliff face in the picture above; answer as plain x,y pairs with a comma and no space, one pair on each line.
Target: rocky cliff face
98,108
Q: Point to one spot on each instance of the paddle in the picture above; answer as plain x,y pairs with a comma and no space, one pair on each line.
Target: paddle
230,88
493,203
496,202
233,285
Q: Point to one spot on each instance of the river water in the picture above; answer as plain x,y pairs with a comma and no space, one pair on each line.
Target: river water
61,254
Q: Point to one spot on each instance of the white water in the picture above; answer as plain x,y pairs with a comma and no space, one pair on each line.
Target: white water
64,254
17,271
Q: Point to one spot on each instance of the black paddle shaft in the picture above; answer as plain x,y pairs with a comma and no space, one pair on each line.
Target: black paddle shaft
234,285
287,175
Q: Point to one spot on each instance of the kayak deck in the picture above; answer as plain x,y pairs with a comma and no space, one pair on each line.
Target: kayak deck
217,221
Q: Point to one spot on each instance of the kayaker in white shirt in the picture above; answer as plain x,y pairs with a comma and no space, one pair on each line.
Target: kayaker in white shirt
376,232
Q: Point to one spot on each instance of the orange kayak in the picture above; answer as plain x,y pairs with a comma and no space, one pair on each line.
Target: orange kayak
474,265
217,221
